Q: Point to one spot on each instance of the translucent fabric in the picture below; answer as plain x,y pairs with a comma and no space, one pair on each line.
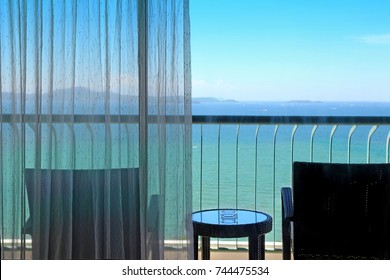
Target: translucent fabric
95,130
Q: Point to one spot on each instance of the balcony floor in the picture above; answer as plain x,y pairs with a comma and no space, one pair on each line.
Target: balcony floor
221,254
241,255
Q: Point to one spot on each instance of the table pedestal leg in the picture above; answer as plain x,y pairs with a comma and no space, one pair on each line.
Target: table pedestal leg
262,247
256,247
196,237
205,248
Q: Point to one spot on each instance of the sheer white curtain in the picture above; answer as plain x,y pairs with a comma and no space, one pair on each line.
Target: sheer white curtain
95,129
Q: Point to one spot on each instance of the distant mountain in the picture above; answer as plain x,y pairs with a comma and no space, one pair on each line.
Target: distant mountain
211,100
81,94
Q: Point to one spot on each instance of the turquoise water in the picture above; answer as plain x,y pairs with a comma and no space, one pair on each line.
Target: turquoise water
243,178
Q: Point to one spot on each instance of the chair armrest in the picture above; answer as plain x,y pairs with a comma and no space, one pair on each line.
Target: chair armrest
287,215
287,207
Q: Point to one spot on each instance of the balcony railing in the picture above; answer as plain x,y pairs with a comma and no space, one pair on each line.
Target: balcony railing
243,161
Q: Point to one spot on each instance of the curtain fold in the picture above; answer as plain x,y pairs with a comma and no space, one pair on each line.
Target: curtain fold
95,129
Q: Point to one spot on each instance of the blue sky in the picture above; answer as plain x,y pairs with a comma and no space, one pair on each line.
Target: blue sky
326,50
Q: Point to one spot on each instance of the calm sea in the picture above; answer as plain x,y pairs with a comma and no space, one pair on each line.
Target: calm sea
292,108
247,174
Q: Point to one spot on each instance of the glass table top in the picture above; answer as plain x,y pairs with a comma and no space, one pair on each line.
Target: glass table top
228,217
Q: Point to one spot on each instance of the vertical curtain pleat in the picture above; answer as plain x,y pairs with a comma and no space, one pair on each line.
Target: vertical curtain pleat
95,129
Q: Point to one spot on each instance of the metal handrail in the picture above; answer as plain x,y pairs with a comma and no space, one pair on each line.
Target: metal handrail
198,119
329,120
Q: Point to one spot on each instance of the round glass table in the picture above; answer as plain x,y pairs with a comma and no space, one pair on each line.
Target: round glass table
231,223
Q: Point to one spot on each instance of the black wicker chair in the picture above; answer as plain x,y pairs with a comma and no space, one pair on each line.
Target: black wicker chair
337,211
68,214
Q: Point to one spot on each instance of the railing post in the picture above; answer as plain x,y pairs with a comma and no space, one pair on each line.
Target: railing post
292,141
201,168
256,144
331,143
219,165
274,180
387,148
372,131
237,136
313,131
353,128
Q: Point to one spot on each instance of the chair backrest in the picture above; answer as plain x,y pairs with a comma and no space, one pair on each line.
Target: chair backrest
341,211
76,213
